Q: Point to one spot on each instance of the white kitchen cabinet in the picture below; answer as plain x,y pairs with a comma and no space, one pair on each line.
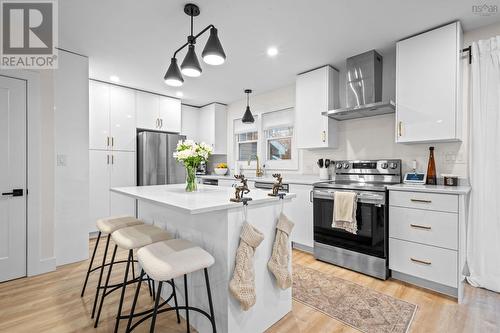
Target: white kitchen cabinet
189,122
111,117
316,92
170,114
159,113
428,86
110,169
300,212
212,127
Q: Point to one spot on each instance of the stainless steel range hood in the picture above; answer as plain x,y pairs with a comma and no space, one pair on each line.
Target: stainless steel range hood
363,89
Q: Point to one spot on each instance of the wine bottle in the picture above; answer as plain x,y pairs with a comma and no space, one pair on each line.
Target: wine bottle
431,168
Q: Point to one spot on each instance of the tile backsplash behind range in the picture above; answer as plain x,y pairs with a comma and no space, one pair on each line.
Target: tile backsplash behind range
373,138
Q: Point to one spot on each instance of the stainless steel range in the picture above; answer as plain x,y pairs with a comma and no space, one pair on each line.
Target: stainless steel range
365,251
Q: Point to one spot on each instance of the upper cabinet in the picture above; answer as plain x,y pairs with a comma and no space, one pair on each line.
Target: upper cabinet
316,92
428,86
111,117
158,113
212,127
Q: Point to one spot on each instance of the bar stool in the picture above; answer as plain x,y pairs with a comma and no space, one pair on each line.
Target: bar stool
106,226
165,261
129,238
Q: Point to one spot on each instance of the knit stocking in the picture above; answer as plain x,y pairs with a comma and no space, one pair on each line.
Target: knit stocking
278,264
242,285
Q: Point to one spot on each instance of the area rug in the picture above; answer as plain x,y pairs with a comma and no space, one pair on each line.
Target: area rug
362,308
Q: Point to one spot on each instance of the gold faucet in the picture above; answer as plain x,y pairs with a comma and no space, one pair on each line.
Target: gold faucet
259,172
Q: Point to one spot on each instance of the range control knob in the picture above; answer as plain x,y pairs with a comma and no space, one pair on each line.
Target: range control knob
346,165
338,165
384,165
393,165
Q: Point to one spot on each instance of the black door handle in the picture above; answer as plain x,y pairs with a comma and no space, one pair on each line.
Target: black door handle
18,192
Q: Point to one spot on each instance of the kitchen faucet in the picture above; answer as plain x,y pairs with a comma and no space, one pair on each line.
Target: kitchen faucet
259,172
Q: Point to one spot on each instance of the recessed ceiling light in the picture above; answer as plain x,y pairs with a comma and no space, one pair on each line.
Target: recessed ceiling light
179,94
114,78
272,51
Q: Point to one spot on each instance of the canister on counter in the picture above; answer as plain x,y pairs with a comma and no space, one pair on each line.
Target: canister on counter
450,180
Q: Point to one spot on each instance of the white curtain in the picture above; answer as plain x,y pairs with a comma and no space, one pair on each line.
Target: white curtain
483,240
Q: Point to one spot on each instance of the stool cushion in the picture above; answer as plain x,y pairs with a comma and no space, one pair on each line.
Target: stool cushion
166,260
138,236
110,224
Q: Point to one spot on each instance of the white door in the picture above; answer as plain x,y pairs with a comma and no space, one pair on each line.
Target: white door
99,136
99,169
12,177
122,174
148,106
122,118
170,114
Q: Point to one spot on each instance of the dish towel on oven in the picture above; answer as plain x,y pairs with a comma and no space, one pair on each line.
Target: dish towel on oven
344,211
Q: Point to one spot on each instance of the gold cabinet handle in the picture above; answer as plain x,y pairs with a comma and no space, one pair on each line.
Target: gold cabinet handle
107,159
112,159
112,141
417,226
420,200
107,141
161,122
323,136
400,125
421,261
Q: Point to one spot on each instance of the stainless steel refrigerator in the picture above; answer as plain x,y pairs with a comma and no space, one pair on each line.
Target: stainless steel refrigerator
155,162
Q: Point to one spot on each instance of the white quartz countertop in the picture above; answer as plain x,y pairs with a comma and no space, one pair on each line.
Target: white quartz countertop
208,198
287,179
430,188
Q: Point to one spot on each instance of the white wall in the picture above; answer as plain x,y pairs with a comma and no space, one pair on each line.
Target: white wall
370,138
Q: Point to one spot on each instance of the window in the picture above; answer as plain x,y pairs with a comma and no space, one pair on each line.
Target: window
246,139
247,145
279,143
278,134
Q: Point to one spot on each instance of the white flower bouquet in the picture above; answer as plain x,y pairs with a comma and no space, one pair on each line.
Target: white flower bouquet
191,154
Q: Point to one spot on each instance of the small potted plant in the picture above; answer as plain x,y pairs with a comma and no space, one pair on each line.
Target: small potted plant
191,154
221,169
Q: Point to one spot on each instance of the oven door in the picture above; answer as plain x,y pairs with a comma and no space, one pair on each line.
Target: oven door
371,221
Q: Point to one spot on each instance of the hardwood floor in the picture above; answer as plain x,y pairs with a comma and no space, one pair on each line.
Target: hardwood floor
51,303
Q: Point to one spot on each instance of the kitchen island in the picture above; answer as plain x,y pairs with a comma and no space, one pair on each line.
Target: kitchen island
207,218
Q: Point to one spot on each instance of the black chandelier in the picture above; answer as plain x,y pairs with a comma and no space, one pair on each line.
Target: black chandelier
213,53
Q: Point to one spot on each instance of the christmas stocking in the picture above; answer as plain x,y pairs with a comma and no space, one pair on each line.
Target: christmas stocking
242,285
278,264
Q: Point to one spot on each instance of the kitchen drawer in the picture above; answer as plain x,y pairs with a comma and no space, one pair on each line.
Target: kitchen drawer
426,262
424,226
422,200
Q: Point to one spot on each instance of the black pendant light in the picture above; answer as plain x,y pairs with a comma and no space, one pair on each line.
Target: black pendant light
213,53
247,116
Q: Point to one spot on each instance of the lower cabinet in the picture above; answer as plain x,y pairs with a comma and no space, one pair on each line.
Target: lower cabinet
108,169
426,239
300,212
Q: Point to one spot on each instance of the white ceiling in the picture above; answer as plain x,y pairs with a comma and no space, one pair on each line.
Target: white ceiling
135,39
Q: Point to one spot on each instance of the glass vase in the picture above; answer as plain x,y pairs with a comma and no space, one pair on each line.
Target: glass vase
191,184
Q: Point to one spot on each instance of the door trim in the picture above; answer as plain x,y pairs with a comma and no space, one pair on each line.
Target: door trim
39,231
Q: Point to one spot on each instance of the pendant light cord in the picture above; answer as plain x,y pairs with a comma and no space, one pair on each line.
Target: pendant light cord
248,97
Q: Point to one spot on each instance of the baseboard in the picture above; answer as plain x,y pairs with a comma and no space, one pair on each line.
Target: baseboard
434,286
304,248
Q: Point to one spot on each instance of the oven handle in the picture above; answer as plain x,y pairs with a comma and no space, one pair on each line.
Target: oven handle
362,197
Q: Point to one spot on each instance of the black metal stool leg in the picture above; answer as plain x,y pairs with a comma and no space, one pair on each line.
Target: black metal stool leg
149,288
90,264
133,266
155,311
136,296
210,304
175,302
105,286
187,303
100,275
120,305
